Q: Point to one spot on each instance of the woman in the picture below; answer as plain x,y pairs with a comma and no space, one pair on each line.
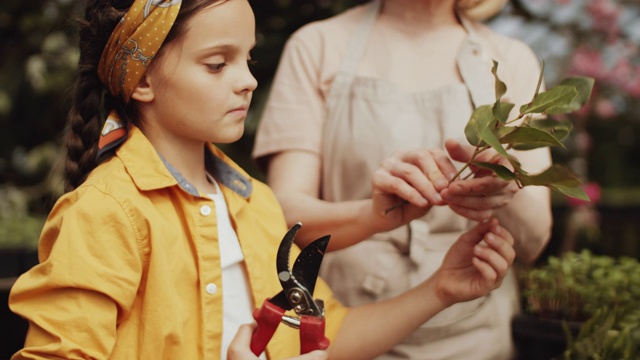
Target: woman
367,111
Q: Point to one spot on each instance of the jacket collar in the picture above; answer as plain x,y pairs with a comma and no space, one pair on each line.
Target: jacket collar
150,171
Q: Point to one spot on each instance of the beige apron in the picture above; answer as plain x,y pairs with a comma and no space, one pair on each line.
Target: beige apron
367,120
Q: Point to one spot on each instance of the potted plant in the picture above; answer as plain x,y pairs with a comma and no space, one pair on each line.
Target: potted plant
579,305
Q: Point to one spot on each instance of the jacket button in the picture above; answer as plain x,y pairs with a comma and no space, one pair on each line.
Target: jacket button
205,210
211,288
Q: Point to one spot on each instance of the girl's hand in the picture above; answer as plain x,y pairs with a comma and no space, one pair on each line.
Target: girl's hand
479,197
476,263
410,182
240,349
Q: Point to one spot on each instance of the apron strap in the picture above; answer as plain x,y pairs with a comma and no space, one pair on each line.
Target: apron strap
475,68
355,51
358,41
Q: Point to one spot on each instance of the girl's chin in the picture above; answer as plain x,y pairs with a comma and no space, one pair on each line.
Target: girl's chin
230,137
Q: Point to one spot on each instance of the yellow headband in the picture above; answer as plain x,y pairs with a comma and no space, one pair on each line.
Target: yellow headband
133,44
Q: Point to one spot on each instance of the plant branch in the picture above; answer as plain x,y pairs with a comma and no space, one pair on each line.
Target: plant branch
476,152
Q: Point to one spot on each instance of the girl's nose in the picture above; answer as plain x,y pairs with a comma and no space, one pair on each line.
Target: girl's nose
248,82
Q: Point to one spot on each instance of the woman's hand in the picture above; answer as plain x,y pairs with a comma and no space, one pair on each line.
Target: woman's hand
239,349
476,263
479,197
409,183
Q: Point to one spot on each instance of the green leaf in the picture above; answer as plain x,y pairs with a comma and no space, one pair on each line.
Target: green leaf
500,87
501,111
500,90
558,177
560,99
572,191
583,85
503,172
481,117
559,129
556,174
527,138
480,130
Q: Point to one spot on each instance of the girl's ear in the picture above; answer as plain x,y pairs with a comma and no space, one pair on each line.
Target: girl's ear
143,91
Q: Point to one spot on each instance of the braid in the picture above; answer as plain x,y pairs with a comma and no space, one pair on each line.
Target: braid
84,121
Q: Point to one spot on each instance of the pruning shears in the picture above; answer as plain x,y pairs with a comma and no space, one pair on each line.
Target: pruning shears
297,294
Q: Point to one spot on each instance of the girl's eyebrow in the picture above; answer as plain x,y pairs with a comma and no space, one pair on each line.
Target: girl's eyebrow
221,48
217,48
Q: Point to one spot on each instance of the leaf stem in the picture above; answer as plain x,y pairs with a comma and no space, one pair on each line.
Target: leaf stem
395,206
476,152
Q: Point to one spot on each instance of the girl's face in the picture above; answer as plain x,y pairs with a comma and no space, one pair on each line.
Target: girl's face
199,88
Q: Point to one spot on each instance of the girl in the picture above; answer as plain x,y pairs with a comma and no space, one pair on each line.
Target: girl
394,95
163,247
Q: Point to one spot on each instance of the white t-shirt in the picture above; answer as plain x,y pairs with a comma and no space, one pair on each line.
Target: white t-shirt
236,302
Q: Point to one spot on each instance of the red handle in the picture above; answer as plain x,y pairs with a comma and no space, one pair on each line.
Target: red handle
312,334
268,318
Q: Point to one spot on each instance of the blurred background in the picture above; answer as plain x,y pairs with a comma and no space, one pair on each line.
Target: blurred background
596,38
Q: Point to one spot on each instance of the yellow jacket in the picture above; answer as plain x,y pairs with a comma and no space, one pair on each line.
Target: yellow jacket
125,260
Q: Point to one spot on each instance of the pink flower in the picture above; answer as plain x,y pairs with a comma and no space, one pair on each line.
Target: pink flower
621,71
604,15
605,108
593,192
632,85
587,62
583,141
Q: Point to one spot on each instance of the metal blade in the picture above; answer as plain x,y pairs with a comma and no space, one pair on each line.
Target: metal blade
282,258
298,284
282,301
307,265
282,267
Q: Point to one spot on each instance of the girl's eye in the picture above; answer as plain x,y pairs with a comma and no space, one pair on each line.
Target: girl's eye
216,67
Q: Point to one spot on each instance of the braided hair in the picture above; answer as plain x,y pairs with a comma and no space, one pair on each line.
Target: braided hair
90,98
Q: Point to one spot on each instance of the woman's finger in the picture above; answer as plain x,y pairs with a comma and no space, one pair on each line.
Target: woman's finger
385,182
408,175
458,151
435,165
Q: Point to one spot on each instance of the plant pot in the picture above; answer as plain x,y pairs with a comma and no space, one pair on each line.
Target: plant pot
538,338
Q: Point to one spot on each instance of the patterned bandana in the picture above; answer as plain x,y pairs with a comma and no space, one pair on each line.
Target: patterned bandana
132,45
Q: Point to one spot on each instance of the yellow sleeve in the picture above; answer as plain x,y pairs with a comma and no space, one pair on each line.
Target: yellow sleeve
86,282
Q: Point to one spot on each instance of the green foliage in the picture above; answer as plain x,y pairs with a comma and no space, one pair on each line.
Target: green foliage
489,127
20,232
610,333
599,290
577,284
